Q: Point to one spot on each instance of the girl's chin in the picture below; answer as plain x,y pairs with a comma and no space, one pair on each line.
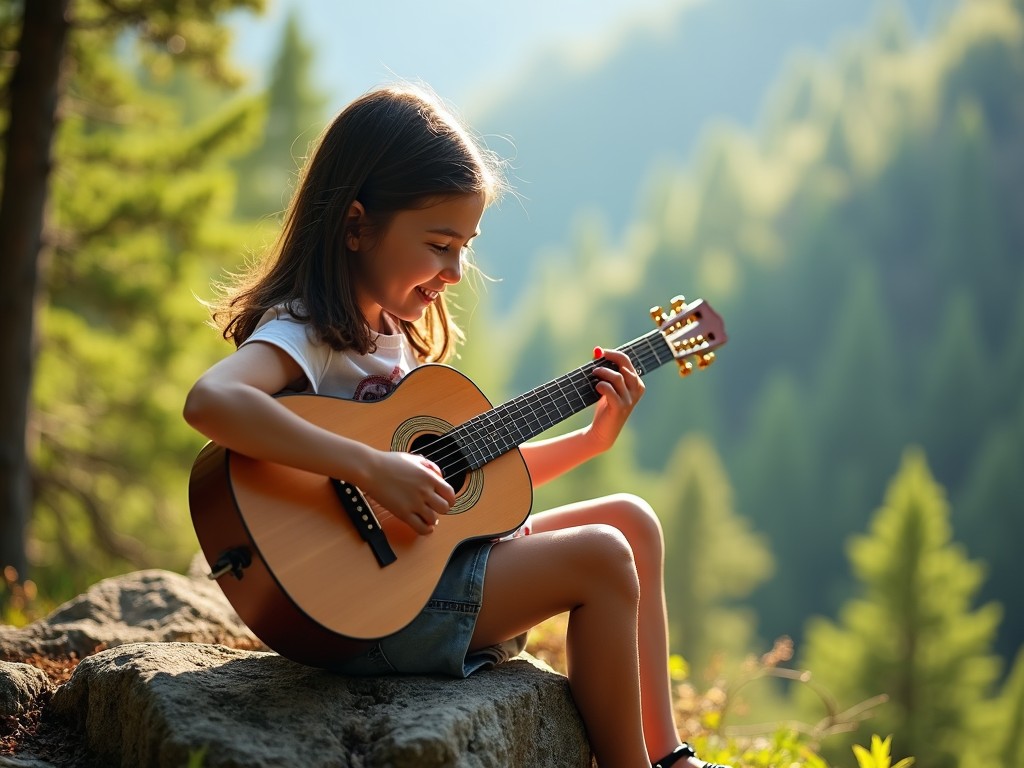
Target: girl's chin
410,315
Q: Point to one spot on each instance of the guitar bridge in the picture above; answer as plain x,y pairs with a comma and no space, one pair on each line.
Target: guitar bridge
362,517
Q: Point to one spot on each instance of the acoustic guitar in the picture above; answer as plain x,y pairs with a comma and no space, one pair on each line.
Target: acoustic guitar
317,570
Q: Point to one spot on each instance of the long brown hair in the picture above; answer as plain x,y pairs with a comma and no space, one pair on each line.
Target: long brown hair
395,148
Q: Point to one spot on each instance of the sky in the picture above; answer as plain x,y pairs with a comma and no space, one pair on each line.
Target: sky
458,47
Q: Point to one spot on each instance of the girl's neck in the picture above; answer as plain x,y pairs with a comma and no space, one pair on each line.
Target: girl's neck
385,325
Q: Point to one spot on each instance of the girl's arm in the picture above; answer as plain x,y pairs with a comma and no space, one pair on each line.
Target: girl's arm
620,391
232,404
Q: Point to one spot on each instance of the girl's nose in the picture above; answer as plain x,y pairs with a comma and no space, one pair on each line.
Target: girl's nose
452,273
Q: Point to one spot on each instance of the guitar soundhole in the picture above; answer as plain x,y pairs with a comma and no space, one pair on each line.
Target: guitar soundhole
443,451
428,436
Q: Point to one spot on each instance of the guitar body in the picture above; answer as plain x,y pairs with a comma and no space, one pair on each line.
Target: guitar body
314,591
319,577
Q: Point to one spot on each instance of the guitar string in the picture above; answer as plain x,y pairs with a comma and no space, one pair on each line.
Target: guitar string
543,398
479,448
540,398
648,362
537,399
528,406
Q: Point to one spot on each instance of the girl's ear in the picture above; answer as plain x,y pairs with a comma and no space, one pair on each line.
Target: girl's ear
355,221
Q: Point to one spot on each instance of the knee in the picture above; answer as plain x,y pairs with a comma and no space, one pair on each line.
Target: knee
611,560
640,523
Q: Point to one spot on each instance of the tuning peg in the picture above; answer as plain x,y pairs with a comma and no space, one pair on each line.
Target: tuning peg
685,367
706,359
678,302
658,316
688,345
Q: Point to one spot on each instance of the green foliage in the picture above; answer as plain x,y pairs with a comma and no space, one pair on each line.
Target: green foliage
1006,718
956,371
781,471
860,251
781,748
714,557
139,206
197,758
912,634
993,510
294,115
19,600
707,716
868,238
878,756
855,412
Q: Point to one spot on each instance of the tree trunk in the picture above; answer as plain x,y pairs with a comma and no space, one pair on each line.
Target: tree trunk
34,89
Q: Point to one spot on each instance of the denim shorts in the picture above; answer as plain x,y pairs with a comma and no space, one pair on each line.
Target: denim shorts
437,641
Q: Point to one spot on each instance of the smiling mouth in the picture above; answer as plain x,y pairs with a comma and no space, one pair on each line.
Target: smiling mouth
428,295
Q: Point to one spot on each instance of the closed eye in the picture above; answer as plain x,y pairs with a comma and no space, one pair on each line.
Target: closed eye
464,251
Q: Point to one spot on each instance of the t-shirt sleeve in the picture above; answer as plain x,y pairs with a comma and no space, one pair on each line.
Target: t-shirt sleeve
295,338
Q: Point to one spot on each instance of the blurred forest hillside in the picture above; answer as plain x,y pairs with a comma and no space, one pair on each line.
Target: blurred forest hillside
864,246
855,217
586,130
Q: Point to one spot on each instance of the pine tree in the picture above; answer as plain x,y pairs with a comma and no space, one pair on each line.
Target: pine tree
1010,366
913,633
780,472
955,391
969,243
1003,743
294,118
713,556
135,214
990,512
853,408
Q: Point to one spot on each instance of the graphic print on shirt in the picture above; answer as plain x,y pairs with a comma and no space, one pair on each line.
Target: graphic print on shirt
377,387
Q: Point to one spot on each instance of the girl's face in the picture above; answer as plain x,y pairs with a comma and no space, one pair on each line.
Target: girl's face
406,267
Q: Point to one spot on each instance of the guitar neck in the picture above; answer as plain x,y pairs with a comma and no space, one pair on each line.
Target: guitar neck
497,431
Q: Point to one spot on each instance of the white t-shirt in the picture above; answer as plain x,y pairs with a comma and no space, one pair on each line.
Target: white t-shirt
338,374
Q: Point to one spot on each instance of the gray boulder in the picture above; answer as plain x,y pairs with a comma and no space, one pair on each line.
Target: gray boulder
145,606
150,700
161,704
20,686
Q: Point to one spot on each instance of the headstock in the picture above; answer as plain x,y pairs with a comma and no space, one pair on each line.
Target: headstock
692,331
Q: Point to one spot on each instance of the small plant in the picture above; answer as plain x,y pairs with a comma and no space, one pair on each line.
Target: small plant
18,599
702,715
878,756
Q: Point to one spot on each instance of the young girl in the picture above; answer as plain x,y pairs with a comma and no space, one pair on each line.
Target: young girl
352,298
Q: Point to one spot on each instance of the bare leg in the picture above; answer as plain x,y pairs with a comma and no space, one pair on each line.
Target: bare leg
590,572
642,529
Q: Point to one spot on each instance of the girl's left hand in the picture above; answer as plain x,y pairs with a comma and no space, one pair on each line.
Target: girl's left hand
620,391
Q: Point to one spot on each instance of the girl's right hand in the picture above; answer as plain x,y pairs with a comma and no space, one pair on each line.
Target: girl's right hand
411,488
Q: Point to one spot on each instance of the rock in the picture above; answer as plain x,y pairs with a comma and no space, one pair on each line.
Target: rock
20,686
145,606
158,705
142,698
12,761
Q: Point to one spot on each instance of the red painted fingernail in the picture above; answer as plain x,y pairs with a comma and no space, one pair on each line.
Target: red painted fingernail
597,351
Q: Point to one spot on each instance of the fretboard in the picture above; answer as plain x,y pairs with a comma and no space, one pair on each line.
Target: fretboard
489,435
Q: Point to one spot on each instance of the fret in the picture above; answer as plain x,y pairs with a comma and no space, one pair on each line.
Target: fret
497,431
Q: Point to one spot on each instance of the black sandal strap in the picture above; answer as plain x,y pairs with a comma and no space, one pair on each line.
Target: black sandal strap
681,752
684,750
